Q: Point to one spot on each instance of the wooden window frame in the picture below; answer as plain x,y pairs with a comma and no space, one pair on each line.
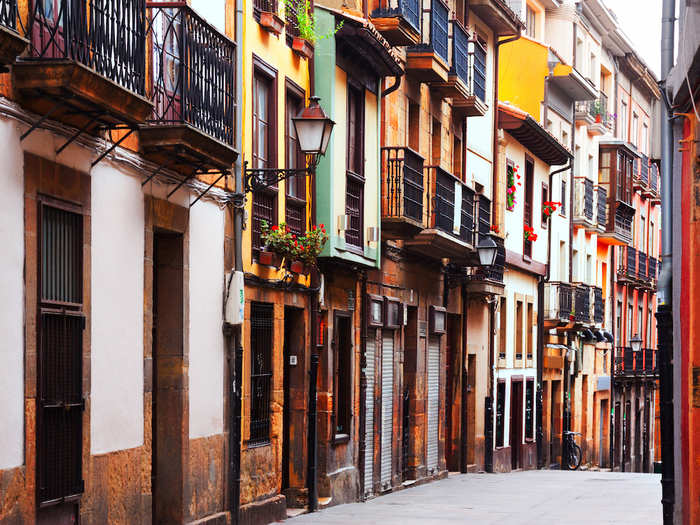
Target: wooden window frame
435,312
297,202
342,380
528,204
545,198
372,320
356,175
393,313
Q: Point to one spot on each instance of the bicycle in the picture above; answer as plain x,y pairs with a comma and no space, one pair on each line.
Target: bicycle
573,453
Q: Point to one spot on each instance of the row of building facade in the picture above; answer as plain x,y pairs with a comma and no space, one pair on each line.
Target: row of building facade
127,395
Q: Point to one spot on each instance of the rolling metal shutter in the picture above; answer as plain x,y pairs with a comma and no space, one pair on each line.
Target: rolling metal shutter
370,352
433,402
387,406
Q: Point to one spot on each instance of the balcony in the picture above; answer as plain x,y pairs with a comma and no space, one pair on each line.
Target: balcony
601,218
266,12
615,172
594,114
399,21
558,303
582,303
652,271
450,219
429,60
466,83
619,231
583,216
598,305
11,42
642,267
627,265
640,180
652,189
191,129
403,194
640,363
86,64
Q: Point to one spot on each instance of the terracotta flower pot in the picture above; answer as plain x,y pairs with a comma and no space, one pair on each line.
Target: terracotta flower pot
269,258
598,118
302,47
271,22
299,267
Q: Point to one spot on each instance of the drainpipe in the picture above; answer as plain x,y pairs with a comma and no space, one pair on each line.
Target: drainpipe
611,410
363,379
664,315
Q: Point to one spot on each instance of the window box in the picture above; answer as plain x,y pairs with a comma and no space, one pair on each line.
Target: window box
271,23
302,47
270,258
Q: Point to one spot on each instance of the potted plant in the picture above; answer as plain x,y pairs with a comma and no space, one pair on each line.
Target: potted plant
529,233
305,249
548,208
299,11
277,240
597,109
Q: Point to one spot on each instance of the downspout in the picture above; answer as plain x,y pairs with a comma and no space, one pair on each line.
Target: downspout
235,349
363,380
393,87
664,315
611,410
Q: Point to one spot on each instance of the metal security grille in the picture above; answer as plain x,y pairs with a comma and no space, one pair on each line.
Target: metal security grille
588,199
433,403
263,211
387,406
8,13
60,358
107,36
466,227
354,209
261,340
601,213
370,354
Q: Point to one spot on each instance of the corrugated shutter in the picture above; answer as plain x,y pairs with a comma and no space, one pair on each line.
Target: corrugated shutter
370,352
433,402
387,406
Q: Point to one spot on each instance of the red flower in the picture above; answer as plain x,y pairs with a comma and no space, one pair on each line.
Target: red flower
275,228
322,226
294,236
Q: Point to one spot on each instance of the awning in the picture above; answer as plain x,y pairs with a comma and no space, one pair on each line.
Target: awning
532,135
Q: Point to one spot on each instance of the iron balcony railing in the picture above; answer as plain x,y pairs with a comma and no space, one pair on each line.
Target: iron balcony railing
445,206
627,262
641,362
436,39
654,178
402,184
597,110
193,71
107,36
582,303
643,170
266,6
477,69
624,216
558,301
601,208
642,266
409,10
652,269
598,305
583,200
8,14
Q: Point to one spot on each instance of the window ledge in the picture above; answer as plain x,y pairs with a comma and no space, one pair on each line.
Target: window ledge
339,439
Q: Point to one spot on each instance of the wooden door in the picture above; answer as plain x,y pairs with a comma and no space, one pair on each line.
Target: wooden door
516,423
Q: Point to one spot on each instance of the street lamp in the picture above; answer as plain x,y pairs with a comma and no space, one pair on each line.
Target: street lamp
487,250
636,343
313,131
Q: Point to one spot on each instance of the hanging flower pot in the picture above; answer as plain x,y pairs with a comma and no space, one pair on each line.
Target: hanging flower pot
302,47
270,258
299,267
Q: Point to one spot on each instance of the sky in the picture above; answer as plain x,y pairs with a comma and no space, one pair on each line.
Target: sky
641,22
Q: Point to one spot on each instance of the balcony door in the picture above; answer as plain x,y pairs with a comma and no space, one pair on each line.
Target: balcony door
167,63
48,40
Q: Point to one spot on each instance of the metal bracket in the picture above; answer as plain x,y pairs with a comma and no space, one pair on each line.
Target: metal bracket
260,178
222,175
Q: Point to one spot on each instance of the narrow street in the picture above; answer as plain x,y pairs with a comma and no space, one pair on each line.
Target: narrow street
530,497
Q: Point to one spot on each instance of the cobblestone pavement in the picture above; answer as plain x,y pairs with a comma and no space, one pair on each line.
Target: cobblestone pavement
532,497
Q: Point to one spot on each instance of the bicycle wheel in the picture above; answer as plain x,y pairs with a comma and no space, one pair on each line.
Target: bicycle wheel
574,456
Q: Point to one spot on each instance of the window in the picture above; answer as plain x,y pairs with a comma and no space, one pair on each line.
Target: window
355,182
414,126
618,323
629,321
634,130
436,142
457,155
527,218
623,121
500,412
545,198
263,156
60,354
650,331
342,374
591,67
651,239
645,139
574,266
510,185
295,202
518,330
642,233
589,269
562,199
640,318
564,137
261,341
502,329
530,22
529,329
529,409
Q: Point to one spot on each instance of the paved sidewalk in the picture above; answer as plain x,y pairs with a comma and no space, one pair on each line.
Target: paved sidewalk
532,497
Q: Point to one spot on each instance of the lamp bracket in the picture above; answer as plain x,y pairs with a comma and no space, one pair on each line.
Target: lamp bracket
261,178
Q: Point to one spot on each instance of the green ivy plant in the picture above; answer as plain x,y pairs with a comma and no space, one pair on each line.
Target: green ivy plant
300,12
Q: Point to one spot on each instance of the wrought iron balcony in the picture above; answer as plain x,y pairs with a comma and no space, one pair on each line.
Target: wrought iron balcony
86,64
583,203
642,266
11,43
192,86
403,194
601,208
594,113
598,305
652,190
652,271
428,61
631,363
582,303
399,21
627,265
450,218
558,303
618,229
641,177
